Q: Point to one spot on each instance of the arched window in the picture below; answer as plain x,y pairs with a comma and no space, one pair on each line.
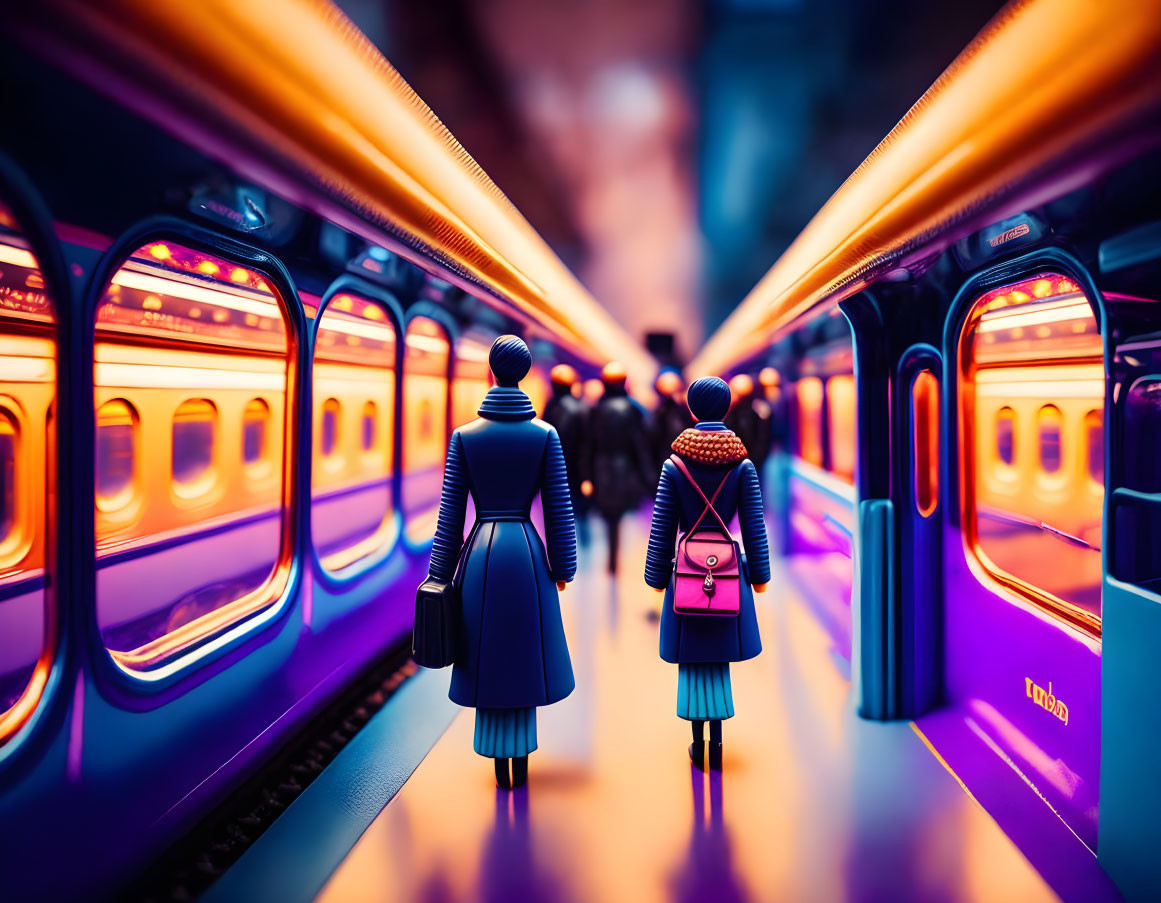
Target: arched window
925,440
1094,434
9,439
352,500
329,429
191,349
255,426
370,416
117,427
1006,435
194,429
1048,423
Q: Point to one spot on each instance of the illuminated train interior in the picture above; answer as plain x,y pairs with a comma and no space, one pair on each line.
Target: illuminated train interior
248,295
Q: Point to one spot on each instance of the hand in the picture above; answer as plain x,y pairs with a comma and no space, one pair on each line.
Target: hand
587,488
561,584
760,587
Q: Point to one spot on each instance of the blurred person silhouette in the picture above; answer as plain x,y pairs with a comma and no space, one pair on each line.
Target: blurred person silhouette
618,464
569,416
670,417
771,382
708,617
490,606
749,417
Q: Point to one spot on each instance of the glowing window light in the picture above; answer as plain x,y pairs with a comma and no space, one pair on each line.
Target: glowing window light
17,257
1051,313
176,288
160,251
427,343
239,275
117,429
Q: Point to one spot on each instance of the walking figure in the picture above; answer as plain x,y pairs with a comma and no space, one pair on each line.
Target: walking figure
708,618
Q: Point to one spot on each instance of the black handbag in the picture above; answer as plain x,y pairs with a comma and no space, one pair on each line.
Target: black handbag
438,612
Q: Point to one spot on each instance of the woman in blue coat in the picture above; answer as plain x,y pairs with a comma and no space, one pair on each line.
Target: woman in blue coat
512,655
702,646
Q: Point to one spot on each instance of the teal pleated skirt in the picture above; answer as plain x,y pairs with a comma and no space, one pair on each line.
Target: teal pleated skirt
704,692
505,733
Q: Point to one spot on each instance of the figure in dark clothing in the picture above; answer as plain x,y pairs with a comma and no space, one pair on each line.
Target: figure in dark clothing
569,416
670,417
749,418
618,463
512,655
703,645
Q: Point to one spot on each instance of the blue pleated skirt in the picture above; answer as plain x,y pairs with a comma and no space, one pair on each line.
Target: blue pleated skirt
505,733
704,692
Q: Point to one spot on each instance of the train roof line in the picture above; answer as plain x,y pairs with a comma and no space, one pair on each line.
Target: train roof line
1043,91
333,127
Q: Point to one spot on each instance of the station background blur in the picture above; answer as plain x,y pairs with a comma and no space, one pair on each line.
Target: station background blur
670,150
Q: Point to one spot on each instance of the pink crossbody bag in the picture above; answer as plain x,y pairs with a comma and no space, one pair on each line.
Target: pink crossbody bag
708,571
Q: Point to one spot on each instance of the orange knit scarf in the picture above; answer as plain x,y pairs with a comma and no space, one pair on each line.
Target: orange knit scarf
710,447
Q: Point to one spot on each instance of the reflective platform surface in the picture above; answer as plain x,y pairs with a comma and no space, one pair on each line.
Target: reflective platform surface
813,802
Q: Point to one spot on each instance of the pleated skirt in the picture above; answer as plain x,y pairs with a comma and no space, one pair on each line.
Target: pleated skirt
505,733
704,692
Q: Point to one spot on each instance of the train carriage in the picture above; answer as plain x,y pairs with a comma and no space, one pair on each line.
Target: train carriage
997,260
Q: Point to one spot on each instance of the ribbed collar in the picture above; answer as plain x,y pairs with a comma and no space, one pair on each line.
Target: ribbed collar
506,403
711,426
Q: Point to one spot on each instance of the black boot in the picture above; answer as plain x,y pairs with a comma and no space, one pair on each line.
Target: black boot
715,746
520,771
697,747
502,779
614,542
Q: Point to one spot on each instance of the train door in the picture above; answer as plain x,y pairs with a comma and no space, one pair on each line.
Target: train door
920,530
1022,564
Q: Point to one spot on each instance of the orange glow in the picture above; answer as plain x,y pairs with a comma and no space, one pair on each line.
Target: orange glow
769,377
239,275
925,441
741,386
160,251
842,425
809,391
208,267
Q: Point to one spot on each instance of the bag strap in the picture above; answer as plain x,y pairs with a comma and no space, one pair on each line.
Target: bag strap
709,502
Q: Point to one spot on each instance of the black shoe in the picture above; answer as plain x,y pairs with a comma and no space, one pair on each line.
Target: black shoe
502,779
520,771
715,756
697,755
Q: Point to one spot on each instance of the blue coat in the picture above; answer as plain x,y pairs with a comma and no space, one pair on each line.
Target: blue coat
512,651
689,639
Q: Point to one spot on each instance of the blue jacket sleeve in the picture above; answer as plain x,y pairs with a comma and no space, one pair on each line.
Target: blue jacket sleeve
750,517
559,528
663,532
453,503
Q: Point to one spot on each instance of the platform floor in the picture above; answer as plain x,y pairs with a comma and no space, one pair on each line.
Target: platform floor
813,804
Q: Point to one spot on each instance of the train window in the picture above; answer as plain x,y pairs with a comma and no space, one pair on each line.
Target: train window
370,421
194,426
472,377
1094,440
841,425
352,507
426,359
925,441
116,453
28,356
191,350
1048,422
255,426
809,393
1006,436
9,437
328,443
1031,355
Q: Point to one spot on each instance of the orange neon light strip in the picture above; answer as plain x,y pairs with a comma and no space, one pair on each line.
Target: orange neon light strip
341,113
1042,80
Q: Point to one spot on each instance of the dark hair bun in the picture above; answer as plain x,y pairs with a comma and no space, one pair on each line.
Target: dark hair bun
708,398
510,360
